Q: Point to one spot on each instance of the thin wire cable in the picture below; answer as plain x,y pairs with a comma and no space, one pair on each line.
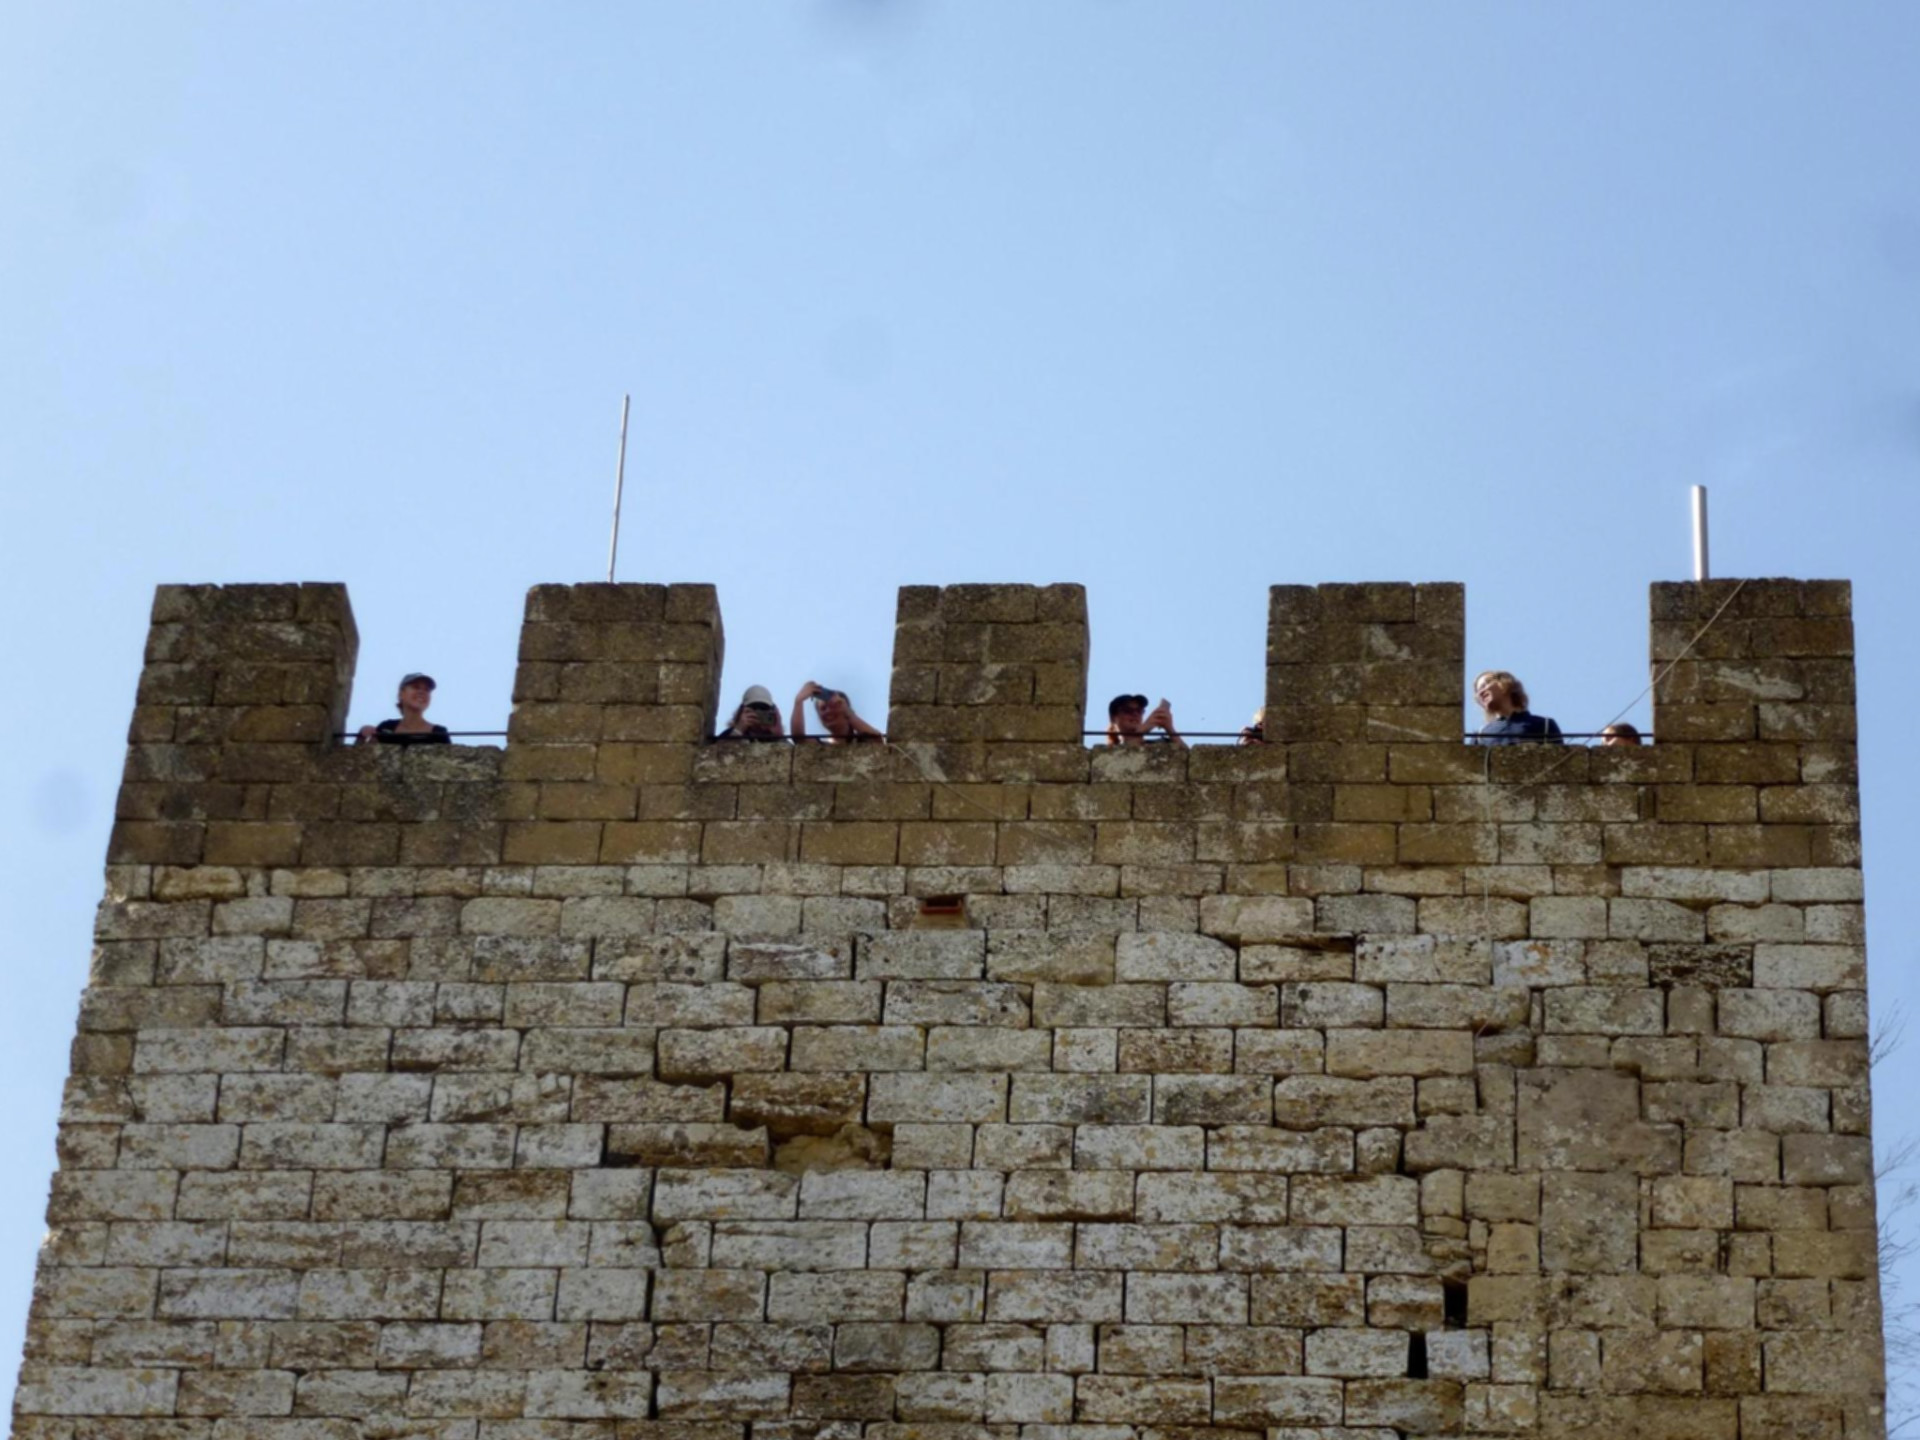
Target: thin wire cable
1686,650
1486,764
1683,653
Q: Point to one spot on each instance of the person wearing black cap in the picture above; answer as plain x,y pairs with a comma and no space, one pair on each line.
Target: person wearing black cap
413,727
1129,722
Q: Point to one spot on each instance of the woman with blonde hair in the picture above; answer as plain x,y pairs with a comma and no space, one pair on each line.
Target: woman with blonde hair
1503,699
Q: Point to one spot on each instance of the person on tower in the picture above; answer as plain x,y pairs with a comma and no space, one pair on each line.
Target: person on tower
413,727
758,718
1129,722
836,714
1503,699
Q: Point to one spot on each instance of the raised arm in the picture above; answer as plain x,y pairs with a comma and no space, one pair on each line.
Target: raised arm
797,722
1162,719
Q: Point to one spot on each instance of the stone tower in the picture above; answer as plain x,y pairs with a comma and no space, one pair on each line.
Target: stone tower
977,1085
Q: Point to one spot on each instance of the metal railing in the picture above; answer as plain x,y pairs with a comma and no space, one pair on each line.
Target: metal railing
1469,736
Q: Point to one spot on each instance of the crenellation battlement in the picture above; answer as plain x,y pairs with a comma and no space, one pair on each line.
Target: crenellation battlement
617,690
981,1084
1756,660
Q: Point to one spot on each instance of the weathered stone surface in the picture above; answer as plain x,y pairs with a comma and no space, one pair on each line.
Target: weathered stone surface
618,1086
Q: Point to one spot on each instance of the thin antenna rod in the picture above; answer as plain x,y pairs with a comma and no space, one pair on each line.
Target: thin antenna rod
1700,568
619,485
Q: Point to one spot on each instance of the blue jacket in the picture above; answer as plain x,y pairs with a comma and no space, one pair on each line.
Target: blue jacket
1520,728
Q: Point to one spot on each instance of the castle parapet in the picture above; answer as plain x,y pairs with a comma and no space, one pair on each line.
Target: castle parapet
241,685
1766,661
1365,662
990,662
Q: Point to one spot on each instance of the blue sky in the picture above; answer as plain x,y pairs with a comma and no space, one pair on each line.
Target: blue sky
1176,302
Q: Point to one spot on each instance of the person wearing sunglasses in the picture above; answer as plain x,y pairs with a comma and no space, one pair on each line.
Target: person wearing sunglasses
836,715
758,718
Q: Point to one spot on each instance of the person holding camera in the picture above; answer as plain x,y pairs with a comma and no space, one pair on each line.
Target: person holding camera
1129,722
758,718
836,715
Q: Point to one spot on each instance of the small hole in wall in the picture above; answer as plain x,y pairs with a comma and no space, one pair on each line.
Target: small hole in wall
1417,1355
942,912
1453,1303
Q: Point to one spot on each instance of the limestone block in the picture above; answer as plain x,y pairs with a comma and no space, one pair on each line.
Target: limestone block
922,955
1577,1119
724,1195
692,1395
1589,1223
1279,1052
1081,1099
941,1397
1055,1297
1280,1249
1276,1400
1163,956
1222,1004
1707,1302
1769,1014
1259,1147
943,1098
1212,1100
82,1390
876,1049
858,1195
802,1104
1071,1195
1023,1147
913,1244
1199,1199
1825,1159
955,1002
1164,1299
1819,968
1368,1054
1353,1354
1121,1399
1311,1102
705,1054
1195,1051
1029,1399
836,1297
1132,1247
1139,1147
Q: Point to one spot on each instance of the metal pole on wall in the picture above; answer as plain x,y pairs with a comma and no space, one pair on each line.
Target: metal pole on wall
619,484
1700,571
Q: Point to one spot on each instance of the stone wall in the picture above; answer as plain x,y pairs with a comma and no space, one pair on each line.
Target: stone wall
977,1086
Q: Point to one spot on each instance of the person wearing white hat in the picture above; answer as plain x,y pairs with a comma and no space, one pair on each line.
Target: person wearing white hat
758,718
413,727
